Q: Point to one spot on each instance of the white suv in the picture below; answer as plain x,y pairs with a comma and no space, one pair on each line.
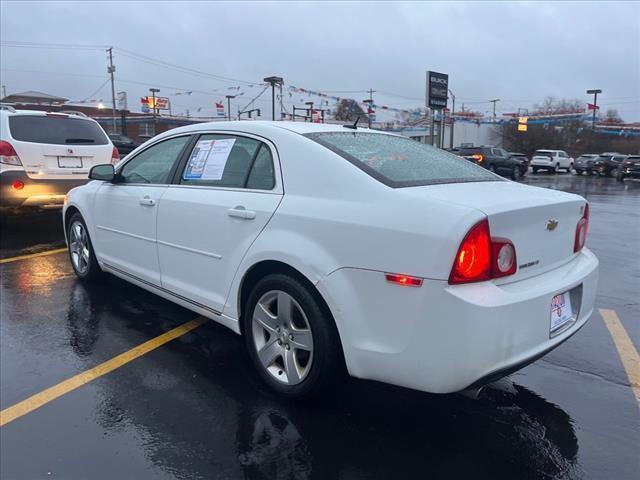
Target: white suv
45,154
552,160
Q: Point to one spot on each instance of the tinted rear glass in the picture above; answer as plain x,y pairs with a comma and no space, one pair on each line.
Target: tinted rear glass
56,130
401,162
542,153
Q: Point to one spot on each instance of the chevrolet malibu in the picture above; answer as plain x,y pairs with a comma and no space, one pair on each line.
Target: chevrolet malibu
330,247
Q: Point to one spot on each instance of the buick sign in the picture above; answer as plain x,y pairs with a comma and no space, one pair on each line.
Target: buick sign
437,90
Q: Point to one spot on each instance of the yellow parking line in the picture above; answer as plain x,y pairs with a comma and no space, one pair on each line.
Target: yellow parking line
32,255
39,399
628,353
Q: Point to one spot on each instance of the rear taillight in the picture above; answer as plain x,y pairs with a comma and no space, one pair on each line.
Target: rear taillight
8,154
481,257
473,261
115,155
478,158
581,230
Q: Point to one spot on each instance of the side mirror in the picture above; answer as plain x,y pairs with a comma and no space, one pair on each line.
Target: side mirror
105,172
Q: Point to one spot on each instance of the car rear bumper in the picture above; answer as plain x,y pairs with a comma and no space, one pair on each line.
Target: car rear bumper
542,164
442,338
33,193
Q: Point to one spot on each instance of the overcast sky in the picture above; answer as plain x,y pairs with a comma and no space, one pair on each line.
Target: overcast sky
518,52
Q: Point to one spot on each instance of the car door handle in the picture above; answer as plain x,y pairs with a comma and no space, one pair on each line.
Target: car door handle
241,212
148,201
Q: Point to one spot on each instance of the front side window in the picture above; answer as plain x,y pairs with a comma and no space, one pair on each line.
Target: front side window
154,164
231,161
399,161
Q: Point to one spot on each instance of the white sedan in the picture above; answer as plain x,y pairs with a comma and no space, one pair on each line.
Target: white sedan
329,247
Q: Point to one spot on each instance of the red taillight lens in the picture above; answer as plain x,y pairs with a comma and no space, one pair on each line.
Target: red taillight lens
406,280
478,158
481,257
17,185
473,261
8,154
581,230
115,155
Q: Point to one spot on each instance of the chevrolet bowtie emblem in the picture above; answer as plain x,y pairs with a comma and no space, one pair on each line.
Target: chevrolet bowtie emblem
552,224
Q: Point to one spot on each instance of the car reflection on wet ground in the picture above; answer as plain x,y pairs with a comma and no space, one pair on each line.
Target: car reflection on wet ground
193,408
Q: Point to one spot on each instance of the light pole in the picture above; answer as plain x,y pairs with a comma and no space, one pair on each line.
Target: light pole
153,97
273,81
229,97
595,93
453,112
310,111
494,101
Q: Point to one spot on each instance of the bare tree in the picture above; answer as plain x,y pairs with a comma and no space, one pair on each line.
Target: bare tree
347,109
612,116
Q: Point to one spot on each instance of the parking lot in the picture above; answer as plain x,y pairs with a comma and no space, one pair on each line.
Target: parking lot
187,404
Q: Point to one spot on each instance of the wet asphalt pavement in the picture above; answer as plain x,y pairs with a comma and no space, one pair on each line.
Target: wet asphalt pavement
193,408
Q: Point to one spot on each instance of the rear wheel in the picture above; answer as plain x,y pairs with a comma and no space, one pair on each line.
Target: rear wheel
515,173
534,170
290,337
81,254
619,175
578,172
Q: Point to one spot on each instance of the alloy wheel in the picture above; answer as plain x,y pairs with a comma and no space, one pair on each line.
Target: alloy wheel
79,247
282,337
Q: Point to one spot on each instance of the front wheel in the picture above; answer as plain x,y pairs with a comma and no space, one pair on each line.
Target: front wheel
515,173
578,172
556,168
290,337
81,253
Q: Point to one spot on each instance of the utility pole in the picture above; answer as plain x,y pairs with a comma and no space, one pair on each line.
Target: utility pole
369,103
595,93
4,91
494,101
229,97
453,112
110,70
153,96
273,81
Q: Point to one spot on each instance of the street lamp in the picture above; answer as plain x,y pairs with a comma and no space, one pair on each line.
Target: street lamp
453,112
229,97
595,93
273,81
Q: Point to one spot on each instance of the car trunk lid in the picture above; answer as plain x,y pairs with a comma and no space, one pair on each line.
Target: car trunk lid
540,222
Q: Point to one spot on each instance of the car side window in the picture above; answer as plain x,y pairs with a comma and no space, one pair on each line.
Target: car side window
261,176
154,164
232,161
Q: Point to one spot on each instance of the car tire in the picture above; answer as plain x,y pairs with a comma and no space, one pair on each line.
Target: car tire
272,336
619,176
556,168
578,172
534,170
570,168
81,253
515,173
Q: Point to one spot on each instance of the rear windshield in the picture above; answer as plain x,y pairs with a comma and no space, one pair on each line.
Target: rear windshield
543,153
56,130
401,162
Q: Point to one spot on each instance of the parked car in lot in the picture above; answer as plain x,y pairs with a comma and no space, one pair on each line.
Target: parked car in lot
630,168
551,160
124,144
521,157
326,246
585,163
43,155
607,163
496,160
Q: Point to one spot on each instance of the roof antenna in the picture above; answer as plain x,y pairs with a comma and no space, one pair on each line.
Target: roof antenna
355,124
